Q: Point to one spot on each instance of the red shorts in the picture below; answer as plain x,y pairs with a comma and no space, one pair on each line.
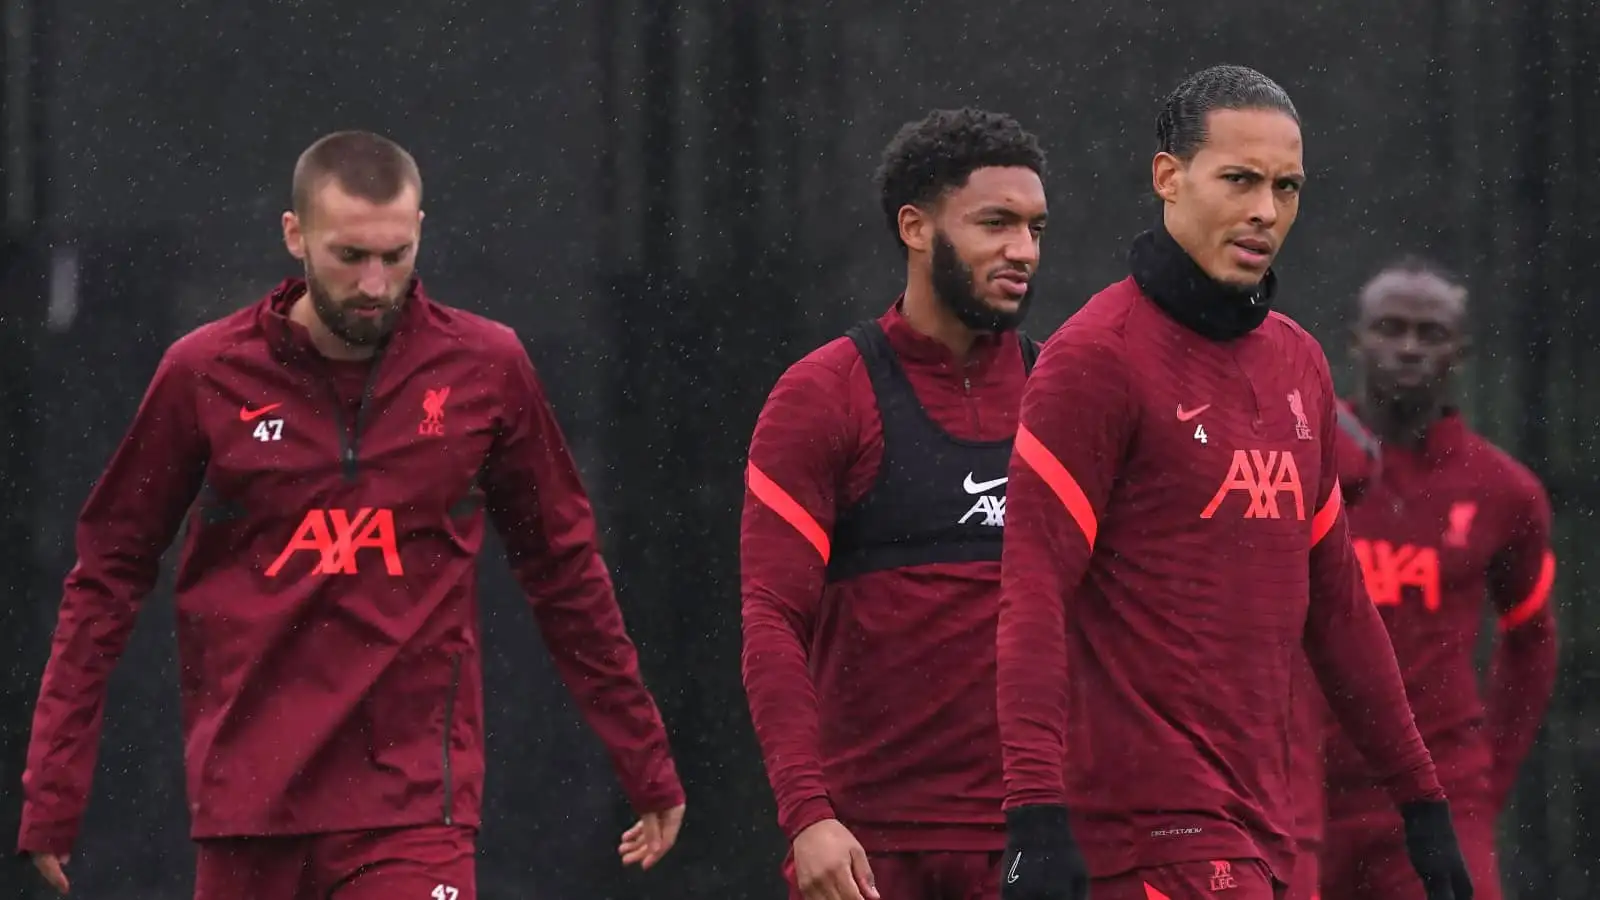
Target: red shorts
927,876
1364,858
1221,879
427,862
1305,880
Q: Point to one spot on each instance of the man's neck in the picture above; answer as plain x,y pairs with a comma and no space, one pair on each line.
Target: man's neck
1400,422
929,317
304,314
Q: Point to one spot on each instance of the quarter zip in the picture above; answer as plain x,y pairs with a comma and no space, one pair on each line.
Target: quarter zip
449,722
350,432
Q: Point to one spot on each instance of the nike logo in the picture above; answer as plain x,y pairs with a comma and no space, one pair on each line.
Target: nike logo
1011,876
246,414
1185,415
978,487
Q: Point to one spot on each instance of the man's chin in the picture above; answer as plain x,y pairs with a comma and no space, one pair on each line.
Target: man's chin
1243,279
1411,396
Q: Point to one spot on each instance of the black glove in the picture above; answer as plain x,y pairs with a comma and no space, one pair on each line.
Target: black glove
1042,861
1435,854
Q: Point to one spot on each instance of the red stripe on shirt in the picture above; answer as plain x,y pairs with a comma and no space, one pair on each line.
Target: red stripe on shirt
1536,599
778,499
1061,482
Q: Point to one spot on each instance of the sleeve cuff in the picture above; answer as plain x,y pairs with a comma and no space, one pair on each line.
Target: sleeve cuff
659,794
47,837
806,814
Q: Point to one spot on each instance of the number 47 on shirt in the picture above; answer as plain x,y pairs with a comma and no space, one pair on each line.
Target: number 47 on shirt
445,892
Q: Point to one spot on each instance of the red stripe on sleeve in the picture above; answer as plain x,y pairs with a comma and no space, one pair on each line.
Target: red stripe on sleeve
1061,482
779,501
1323,521
1537,598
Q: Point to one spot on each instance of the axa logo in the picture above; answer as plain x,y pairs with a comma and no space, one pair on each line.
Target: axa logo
1269,479
992,508
338,536
1394,571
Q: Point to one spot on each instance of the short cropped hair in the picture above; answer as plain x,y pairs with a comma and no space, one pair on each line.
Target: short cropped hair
366,165
1181,124
1416,264
938,153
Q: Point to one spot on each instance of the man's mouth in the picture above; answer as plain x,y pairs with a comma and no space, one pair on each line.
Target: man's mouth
1253,252
1013,283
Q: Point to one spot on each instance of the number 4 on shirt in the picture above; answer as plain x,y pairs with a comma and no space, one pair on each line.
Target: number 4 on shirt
1200,433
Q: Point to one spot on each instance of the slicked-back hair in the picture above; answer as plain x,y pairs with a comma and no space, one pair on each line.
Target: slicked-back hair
1181,125
363,164
939,152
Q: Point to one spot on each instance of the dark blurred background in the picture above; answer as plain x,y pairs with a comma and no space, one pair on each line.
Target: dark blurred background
671,202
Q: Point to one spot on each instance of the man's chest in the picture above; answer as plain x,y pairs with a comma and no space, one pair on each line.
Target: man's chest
414,437
1423,548
1229,439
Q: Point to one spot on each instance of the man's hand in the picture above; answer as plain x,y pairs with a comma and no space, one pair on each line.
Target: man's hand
651,837
1435,854
50,866
829,864
1042,860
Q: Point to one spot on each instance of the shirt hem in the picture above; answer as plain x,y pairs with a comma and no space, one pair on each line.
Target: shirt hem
222,830
986,837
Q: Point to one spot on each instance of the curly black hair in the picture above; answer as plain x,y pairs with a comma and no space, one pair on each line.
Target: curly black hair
1181,124
928,157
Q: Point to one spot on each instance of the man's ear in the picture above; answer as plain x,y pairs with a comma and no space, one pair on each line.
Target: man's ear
294,237
1166,175
916,228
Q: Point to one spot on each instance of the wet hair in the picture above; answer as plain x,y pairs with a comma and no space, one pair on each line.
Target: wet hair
363,164
1181,125
938,153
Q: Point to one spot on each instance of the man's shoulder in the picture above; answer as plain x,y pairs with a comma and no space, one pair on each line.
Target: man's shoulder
1110,307
1101,324
211,341
477,332
1291,334
1495,468
827,367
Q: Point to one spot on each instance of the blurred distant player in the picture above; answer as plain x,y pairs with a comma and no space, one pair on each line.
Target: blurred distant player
1441,520
1175,548
871,537
335,450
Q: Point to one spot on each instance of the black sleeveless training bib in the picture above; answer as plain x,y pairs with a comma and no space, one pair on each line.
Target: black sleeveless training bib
937,498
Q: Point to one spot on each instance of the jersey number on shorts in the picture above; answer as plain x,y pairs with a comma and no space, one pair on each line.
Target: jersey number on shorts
445,892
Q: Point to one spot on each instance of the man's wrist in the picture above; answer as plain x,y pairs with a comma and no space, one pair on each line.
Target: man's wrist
1041,823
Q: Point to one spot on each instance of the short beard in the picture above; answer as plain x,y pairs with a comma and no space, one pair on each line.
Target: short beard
345,325
953,285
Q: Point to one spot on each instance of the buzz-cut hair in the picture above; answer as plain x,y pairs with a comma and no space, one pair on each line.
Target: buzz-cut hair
1414,264
363,164
1181,127
939,152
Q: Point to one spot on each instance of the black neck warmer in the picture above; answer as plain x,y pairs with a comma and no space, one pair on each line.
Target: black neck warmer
1177,284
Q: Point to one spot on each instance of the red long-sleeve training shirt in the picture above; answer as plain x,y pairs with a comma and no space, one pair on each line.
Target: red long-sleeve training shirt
872,697
327,588
1174,536
1439,530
